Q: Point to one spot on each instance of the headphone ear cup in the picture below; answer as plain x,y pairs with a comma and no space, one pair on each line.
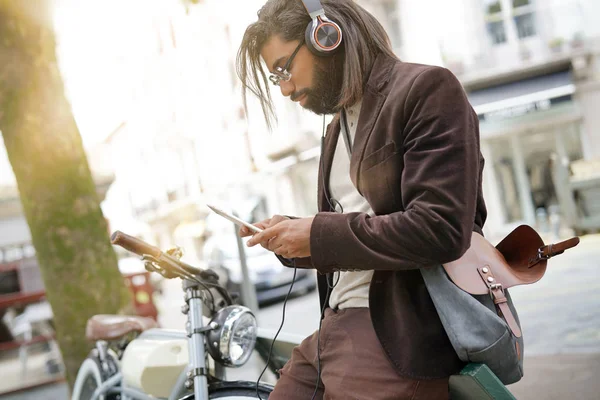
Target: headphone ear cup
308,40
328,32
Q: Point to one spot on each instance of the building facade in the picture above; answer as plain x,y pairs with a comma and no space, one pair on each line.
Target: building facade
182,138
531,71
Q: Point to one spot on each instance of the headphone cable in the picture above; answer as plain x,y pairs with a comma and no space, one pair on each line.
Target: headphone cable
330,286
278,330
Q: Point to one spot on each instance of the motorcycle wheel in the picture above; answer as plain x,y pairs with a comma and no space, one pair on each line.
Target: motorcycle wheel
89,378
237,390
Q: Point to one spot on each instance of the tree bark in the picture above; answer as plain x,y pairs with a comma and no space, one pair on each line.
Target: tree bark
69,233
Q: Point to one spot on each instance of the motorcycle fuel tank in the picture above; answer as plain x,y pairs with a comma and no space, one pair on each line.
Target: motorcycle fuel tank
153,364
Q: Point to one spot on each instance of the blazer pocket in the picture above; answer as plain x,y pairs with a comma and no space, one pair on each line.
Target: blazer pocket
378,156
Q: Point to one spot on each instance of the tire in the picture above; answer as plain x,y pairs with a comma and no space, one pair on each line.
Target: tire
89,378
239,390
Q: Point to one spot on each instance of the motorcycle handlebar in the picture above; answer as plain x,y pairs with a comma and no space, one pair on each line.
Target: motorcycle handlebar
134,245
167,262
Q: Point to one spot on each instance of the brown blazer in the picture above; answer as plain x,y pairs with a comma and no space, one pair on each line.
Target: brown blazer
416,160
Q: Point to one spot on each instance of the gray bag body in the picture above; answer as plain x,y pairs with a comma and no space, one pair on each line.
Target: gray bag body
471,297
476,331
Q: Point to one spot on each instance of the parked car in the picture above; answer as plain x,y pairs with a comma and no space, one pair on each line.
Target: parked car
271,279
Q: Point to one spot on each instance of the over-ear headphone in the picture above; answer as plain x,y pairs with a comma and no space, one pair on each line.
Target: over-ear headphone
322,36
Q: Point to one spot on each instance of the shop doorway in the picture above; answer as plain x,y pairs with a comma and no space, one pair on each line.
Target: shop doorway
532,171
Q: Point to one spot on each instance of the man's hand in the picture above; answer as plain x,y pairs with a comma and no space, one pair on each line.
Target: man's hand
289,238
264,224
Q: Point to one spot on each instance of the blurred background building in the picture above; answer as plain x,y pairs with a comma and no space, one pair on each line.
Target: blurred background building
157,99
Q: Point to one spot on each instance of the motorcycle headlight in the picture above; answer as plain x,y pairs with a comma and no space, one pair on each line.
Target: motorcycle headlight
233,341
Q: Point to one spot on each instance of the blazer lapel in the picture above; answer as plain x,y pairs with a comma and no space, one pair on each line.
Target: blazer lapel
372,101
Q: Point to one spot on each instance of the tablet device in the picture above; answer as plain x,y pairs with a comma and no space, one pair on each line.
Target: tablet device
234,219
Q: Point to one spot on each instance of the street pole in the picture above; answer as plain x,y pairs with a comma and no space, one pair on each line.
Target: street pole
247,287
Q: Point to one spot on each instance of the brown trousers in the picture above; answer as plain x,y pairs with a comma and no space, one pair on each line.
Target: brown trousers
353,366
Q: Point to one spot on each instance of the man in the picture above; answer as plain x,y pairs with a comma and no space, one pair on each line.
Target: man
399,190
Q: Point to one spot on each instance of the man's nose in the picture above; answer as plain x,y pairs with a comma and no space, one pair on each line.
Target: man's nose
287,87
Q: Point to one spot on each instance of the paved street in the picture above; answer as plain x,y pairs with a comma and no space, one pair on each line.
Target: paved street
560,316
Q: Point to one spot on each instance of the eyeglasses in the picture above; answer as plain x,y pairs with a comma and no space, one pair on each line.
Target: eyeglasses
282,73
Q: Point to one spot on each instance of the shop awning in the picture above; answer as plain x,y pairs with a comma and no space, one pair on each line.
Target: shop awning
522,97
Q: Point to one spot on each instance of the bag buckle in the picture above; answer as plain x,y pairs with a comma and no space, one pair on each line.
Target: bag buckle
495,286
553,249
497,293
542,256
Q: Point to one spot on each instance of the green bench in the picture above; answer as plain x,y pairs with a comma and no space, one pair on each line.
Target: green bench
475,381
478,382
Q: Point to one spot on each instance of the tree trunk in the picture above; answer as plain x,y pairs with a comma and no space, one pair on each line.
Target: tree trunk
69,233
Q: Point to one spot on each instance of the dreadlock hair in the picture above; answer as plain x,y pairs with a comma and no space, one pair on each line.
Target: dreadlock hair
363,39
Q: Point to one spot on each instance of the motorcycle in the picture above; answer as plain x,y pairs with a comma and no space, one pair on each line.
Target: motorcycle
134,360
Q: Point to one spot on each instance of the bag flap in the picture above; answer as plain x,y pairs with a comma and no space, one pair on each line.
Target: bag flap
508,263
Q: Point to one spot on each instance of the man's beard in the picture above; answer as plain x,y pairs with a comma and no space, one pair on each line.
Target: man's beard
324,96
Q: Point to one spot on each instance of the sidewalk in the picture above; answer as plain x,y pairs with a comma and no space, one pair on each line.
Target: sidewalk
559,377
57,391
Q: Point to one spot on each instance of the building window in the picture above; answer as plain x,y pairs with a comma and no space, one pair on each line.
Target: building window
496,31
524,18
493,7
495,21
525,25
521,11
520,3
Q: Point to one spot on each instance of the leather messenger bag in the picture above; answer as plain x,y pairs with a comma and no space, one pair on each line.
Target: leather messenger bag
472,300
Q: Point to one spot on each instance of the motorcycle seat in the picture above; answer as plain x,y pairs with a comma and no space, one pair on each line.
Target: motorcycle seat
113,327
